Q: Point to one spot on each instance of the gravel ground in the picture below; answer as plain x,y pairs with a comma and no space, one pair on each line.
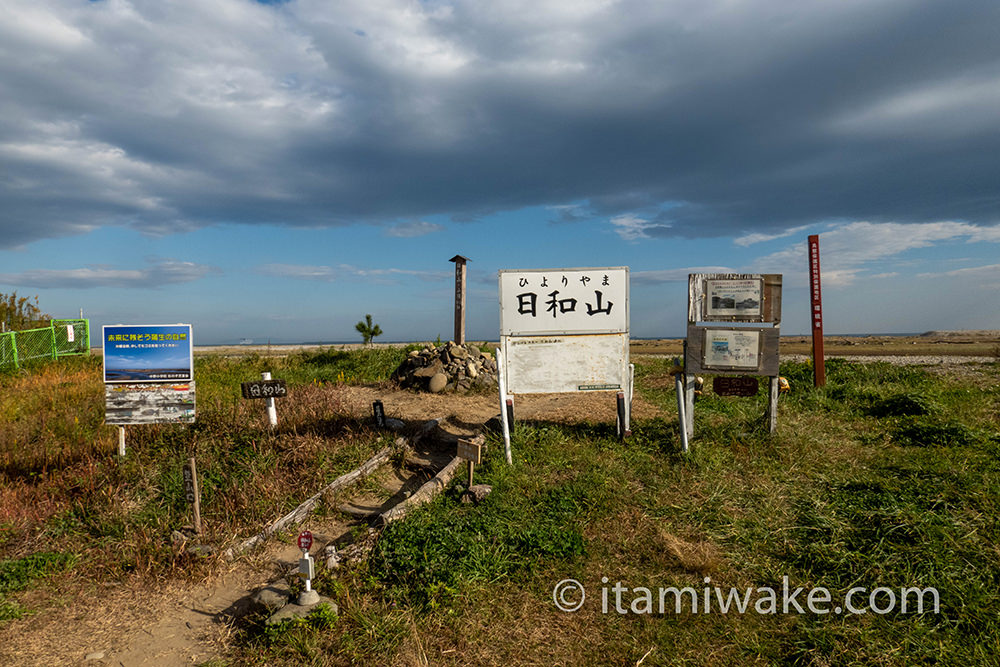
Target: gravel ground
902,359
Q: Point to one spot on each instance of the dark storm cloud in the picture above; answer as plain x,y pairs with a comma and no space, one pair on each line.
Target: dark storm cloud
700,119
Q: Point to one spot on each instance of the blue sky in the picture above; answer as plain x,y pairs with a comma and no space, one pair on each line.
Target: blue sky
275,171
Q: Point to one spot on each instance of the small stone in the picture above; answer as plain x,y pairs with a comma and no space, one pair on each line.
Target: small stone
201,550
394,424
471,371
476,493
293,610
459,352
273,597
437,383
96,655
332,559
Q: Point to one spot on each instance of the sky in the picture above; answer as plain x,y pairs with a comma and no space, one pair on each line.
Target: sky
275,171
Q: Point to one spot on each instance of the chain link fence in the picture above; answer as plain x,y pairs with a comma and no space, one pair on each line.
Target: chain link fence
61,338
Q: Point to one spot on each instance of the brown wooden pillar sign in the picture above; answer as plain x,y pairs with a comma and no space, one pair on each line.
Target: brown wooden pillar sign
816,313
459,297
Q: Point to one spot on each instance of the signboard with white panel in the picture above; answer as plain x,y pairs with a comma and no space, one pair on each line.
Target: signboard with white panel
564,301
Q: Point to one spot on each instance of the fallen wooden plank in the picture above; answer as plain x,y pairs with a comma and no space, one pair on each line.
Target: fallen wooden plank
299,513
426,492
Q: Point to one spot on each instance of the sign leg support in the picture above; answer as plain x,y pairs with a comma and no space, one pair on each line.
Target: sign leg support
681,411
502,385
772,405
689,387
121,441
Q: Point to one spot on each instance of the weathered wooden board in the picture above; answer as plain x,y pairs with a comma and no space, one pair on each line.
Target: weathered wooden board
755,297
741,385
766,362
159,403
561,364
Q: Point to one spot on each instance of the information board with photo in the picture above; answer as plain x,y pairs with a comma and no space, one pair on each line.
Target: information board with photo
147,353
726,348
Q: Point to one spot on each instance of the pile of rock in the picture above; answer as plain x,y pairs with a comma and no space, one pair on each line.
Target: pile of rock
449,367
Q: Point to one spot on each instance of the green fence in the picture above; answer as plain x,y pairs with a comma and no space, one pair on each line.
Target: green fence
61,338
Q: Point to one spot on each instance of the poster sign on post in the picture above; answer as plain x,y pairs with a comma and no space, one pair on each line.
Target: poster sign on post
148,375
147,353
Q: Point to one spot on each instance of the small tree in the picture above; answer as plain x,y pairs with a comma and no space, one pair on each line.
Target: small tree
368,330
20,313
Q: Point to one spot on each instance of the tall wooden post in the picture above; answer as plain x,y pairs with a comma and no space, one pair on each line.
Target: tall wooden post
459,297
816,312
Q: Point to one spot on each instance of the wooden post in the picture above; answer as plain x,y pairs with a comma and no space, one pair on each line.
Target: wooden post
459,297
192,492
472,467
121,441
816,313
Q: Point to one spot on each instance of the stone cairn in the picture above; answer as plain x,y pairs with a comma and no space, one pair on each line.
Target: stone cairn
447,368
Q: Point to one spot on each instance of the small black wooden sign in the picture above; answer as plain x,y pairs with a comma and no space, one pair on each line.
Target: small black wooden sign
264,389
741,385
378,411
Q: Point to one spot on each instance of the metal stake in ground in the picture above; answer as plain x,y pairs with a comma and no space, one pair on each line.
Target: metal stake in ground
307,570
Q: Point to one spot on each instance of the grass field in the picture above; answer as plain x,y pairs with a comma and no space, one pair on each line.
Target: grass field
887,478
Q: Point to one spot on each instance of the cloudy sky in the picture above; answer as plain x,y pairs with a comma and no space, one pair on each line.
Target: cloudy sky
276,170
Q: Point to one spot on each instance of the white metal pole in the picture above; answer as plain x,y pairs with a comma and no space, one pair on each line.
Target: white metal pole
628,397
121,441
681,412
272,412
502,385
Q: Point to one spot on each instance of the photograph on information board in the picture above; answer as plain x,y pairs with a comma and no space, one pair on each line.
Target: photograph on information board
732,298
731,349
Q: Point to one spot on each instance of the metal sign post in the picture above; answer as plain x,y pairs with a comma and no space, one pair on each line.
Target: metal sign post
816,313
307,570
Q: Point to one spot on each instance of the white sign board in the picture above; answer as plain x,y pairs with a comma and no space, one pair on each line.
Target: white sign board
564,301
560,364
731,349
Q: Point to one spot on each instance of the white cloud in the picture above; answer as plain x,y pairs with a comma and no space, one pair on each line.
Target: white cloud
161,272
673,275
408,230
751,239
349,272
847,252
631,227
